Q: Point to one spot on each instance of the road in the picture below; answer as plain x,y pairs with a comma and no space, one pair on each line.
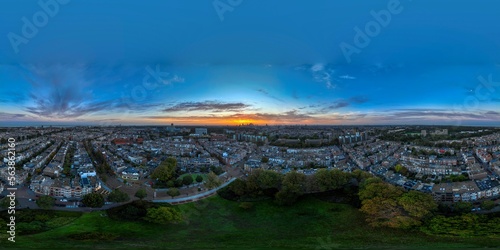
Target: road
196,196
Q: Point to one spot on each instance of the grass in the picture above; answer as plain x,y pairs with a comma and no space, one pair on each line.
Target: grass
215,223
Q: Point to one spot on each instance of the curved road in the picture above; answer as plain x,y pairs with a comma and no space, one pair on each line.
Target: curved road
196,196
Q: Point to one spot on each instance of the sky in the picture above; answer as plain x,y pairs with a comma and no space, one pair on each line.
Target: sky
228,62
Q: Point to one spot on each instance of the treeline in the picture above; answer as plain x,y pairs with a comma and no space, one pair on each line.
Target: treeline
383,204
389,206
68,159
140,210
286,189
102,166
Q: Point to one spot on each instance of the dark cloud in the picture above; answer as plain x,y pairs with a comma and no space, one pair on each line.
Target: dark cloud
213,106
61,91
456,115
66,91
358,99
266,93
9,116
337,105
343,103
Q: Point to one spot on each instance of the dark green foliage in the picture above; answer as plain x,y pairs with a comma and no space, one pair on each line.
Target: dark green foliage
118,196
466,225
165,171
163,215
187,180
488,205
45,202
173,192
93,200
141,193
199,178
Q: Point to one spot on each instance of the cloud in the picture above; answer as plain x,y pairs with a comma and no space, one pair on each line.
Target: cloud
342,103
9,116
348,77
440,114
320,73
213,106
67,91
317,67
337,105
263,91
358,99
62,91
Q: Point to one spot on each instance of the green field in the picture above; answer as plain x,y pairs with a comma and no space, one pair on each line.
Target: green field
216,223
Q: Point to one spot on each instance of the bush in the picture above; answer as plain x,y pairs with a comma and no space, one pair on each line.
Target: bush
118,196
93,200
45,202
199,178
246,205
141,193
163,215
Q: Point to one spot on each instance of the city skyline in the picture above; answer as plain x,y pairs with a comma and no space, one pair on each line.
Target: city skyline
211,64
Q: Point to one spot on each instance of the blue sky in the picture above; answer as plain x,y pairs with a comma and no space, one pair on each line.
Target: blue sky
266,62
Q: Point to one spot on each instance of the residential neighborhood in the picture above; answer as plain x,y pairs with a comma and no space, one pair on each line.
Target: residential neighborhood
70,162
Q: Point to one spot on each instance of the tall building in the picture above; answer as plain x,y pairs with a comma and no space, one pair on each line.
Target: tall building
423,133
201,131
171,128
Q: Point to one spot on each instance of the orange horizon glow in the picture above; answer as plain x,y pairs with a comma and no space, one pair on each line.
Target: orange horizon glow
224,121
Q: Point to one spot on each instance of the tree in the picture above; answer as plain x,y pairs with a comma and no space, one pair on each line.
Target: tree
361,175
187,180
488,205
269,179
462,207
170,184
163,215
5,202
93,200
331,180
118,196
387,205
45,202
417,204
379,189
199,178
381,212
165,171
238,187
213,181
292,188
141,193
400,169
173,192
264,159
178,183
